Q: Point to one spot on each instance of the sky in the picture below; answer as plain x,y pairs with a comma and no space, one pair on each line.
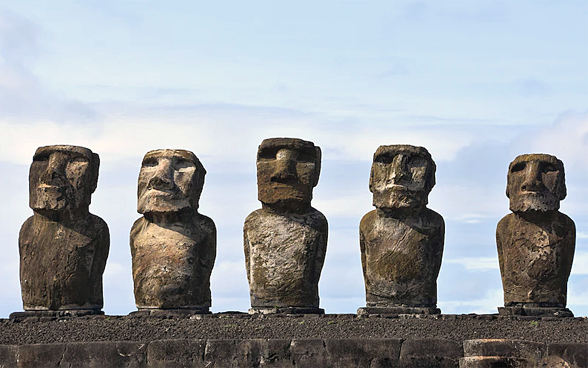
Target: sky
475,82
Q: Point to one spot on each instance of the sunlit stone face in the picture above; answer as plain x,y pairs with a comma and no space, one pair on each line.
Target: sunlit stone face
169,181
62,178
287,170
401,177
536,182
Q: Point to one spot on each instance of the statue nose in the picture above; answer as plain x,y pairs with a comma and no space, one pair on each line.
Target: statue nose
399,170
163,176
54,174
532,181
285,166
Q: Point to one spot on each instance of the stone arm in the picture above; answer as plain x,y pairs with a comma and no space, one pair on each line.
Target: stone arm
500,229
362,249
246,249
101,246
570,250
321,249
208,251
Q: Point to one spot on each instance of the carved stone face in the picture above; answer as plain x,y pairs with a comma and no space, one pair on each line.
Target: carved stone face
287,170
536,182
402,177
170,180
62,178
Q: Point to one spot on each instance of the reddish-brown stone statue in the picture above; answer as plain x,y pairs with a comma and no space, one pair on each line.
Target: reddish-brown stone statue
172,245
286,240
536,242
401,240
63,247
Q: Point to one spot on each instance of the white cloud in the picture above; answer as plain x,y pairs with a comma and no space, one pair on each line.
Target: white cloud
481,263
580,265
492,299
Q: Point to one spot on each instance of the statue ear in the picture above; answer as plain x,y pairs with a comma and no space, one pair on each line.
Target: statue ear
95,166
372,179
317,165
561,190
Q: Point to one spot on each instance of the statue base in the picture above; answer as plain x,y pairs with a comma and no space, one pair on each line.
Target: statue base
535,311
398,310
286,310
169,313
54,314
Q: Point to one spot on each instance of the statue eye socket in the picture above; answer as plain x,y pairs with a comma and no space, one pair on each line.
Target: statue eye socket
547,168
305,157
78,159
40,158
518,167
385,159
417,162
149,162
268,153
182,163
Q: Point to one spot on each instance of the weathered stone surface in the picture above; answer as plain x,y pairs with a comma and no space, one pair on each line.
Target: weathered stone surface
495,362
555,362
536,242
419,353
366,353
42,355
180,353
402,240
504,348
487,353
111,354
285,241
309,353
8,356
172,245
63,247
576,354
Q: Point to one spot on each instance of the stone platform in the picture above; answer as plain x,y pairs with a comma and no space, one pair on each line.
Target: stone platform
243,340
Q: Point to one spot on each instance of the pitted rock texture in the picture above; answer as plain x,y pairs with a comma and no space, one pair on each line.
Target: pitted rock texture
63,248
402,240
286,240
173,246
536,243
284,257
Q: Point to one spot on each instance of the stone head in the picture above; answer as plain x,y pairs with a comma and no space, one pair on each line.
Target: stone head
402,176
62,177
535,182
170,180
287,170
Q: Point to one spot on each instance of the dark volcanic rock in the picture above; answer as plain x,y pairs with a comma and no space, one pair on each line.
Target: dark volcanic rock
173,246
286,240
536,242
402,240
63,247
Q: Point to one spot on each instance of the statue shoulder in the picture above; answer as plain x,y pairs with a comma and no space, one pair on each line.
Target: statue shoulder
368,219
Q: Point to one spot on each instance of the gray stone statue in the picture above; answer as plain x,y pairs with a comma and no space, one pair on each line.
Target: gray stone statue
286,240
172,245
401,240
536,242
63,247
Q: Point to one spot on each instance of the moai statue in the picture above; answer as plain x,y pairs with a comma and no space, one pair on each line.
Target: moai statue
401,240
286,240
536,242
63,247
172,245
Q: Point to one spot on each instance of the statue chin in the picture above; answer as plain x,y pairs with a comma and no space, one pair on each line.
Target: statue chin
399,201
534,202
158,204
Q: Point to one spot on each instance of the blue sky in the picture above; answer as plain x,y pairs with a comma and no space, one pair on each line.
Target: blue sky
475,82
